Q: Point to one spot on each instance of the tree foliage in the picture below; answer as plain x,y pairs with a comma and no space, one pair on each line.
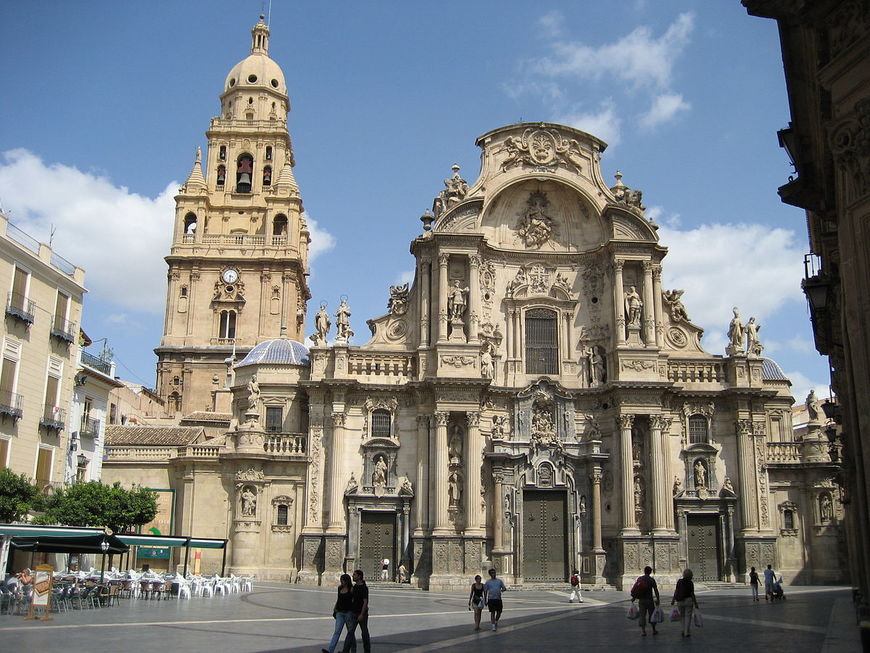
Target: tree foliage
96,504
17,495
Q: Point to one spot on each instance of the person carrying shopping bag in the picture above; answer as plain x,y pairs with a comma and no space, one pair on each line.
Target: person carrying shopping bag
684,596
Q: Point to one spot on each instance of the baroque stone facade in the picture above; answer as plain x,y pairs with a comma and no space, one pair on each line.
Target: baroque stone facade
534,400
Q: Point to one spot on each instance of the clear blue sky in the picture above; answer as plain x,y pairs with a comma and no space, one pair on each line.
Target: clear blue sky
105,103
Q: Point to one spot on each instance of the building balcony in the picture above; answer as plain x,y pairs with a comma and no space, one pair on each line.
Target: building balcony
63,330
53,417
95,363
90,428
10,404
21,308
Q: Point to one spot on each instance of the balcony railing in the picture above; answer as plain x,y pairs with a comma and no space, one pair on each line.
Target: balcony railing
10,404
63,329
19,307
96,363
285,445
689,371
260,240
90,428
53,417
784,452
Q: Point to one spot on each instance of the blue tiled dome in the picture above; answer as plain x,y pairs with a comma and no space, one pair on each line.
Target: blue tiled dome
280,351
771,371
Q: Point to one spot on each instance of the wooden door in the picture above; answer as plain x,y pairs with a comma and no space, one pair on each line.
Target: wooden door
545,536
704,546
377,540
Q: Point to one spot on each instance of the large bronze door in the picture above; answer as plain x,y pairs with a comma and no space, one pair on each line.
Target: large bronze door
377,541
704,546
545,536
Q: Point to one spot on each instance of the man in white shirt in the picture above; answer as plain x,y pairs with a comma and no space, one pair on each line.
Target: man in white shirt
769,580
492,590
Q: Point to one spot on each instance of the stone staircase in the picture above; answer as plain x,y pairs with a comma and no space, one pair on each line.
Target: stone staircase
719,585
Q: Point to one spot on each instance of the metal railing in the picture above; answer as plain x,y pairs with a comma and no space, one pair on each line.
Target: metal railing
96,363
63,329
62,264
89,427
18,306
10,404
53,417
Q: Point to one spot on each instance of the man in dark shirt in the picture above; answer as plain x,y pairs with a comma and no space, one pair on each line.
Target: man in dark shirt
643,590
360,610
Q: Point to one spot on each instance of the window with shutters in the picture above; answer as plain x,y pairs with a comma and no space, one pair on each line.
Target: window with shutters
542,342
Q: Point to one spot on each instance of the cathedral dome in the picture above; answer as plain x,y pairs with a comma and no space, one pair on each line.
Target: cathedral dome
257,70
280,351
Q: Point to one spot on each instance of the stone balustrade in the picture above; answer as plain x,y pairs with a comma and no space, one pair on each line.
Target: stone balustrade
690,371
200,451
285,445
364,363
783,452
132,454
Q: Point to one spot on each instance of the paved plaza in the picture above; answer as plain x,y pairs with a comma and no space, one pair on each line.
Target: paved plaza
276,617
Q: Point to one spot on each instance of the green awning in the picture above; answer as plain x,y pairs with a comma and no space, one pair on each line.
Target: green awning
207,543
29,530
152,540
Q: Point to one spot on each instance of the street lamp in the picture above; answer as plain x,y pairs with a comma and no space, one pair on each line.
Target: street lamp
83,459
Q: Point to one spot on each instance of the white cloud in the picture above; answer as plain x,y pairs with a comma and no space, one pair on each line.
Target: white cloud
657,215
550,24
664,108
118,237
321,240
604,123
801,345
638,58
801,386
407,276
754,267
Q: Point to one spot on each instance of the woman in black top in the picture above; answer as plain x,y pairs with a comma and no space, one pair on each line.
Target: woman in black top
343,611
684,595
475,600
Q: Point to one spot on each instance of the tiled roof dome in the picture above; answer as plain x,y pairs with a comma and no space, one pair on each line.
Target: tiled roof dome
771,371
280,351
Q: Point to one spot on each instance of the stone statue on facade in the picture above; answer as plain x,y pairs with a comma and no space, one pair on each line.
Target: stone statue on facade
352,485
342,322
455,190
633,306
456,303
486,365
597,365
253,393
826,507
454,446
675,304
379,475
727,488
535,226
321,325
700,474
585,366
249,502
454,488
753,344
398,303
813,406
499,425
678,486
736,333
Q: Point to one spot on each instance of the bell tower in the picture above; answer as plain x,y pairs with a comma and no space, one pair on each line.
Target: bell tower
239,255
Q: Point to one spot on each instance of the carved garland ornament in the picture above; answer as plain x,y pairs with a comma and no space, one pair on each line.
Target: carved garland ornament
542,148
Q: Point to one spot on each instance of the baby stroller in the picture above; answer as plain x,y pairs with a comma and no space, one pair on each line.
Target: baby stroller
776,593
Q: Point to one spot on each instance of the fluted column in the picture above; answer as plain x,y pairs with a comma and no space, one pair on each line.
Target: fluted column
472,475
748,502
336,482
618,302
442,297
439,471
421,500
566,352
657,305
629,526
596,509
660,508
649,331
473,297
425,291
498,513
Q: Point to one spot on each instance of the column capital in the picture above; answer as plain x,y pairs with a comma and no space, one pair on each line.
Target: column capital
660,422
338,419
625,420
647,266
473,418
743,426
441,417
596,476
443,259
657,272
617,263
475,260
422,420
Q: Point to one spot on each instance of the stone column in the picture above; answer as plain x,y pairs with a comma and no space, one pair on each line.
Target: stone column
566,354
193,305
442,297
472,475
618,302
498,513
659,478
748,503
473,297
442,522
629,526
657,305
425,293
288,307
596,509
421,515
649,331
336,485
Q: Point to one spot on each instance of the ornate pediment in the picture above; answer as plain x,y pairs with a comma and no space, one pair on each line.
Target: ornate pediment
539,147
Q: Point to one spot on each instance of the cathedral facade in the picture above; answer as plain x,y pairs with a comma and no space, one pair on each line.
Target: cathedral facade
535,400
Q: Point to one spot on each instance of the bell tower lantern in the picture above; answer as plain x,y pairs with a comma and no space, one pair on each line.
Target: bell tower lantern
239,257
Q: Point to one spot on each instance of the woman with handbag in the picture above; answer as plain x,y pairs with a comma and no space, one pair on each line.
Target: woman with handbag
475,600
684,596
343,612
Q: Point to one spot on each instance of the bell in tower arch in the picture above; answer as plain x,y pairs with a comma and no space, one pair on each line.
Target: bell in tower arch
244,172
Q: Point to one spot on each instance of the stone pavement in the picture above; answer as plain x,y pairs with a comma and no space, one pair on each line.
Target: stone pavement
278,617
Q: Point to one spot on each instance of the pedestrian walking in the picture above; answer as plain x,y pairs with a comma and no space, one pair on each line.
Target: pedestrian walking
575,588
342,612
769,580
360,610
684,596
385,569
492,595
475,600
753,582
642,592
